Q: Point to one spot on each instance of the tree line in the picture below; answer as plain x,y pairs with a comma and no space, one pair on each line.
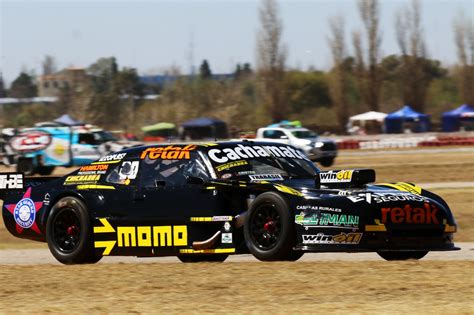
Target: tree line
358,81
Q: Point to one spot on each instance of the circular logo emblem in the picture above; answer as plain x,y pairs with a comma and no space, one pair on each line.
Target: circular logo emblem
25,213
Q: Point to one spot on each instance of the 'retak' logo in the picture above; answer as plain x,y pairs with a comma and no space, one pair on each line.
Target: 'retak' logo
407,214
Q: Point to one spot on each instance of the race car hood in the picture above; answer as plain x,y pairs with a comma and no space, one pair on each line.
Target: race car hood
385,204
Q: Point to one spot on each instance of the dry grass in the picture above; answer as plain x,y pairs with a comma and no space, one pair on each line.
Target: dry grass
419,287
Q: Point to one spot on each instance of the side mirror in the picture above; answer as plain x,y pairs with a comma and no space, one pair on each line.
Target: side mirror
194,180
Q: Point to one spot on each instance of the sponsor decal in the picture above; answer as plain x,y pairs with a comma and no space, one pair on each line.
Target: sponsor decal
30,141
226,176
94,169
226,238
246,152
411,215
216,218
11,181
81,179
227,226
24,212
257,178
327,220
111,158
226,166
343,176
338,239
141,236
287,190
47,199
168,153
387,197
316,208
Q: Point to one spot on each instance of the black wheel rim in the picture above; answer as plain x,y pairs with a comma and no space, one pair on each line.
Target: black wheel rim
265,227
66,230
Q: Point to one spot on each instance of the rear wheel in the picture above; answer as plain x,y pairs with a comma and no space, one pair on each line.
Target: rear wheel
25,166
269,231
69,232
202,258
402,255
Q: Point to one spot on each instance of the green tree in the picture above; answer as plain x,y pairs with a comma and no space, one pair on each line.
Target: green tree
3,91
205,70
23,86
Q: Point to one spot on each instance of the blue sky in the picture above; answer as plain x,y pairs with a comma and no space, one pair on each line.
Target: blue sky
154,35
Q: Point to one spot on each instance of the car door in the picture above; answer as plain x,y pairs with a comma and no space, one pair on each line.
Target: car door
165,191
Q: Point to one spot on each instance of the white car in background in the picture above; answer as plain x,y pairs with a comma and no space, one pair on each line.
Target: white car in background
323,151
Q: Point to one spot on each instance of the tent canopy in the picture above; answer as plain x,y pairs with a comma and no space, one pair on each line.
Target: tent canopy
406,118
158,126
66,120
452,120
378,116
202,128
202,122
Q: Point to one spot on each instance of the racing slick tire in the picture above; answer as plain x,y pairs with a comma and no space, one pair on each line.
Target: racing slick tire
269,231
202,258
326,162
25,166
69,233
401,255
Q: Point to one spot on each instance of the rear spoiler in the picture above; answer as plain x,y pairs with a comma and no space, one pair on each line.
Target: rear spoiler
345,178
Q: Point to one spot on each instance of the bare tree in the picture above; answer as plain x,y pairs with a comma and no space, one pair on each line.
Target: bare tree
464,40
370,78
271,58
413,78
49,65
338,82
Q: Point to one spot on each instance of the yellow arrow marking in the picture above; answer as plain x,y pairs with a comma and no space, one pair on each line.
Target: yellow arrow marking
108,245
106,228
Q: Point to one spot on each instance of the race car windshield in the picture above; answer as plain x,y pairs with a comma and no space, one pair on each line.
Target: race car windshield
266,168
304,134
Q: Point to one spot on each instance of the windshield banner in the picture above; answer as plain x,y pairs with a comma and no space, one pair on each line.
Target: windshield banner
248,152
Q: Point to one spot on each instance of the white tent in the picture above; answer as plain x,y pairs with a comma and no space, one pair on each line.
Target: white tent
377,116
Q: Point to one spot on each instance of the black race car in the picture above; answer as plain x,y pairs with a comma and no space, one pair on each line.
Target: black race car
202,202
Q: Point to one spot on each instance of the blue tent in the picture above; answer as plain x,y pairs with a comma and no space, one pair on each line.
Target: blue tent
204,128
454,119
406,118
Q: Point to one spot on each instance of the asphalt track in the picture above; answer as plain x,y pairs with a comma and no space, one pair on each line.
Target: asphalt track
44,257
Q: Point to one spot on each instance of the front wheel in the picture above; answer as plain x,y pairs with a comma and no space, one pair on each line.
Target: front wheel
69,232
202,258
402,255
269,230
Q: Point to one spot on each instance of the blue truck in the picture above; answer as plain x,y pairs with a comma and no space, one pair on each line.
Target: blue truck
40,149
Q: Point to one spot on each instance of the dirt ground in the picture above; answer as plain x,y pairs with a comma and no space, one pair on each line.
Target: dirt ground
317,288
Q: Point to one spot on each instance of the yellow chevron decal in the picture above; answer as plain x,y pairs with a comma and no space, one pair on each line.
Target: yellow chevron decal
108,245
106,228
288,190
404,187
378,227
